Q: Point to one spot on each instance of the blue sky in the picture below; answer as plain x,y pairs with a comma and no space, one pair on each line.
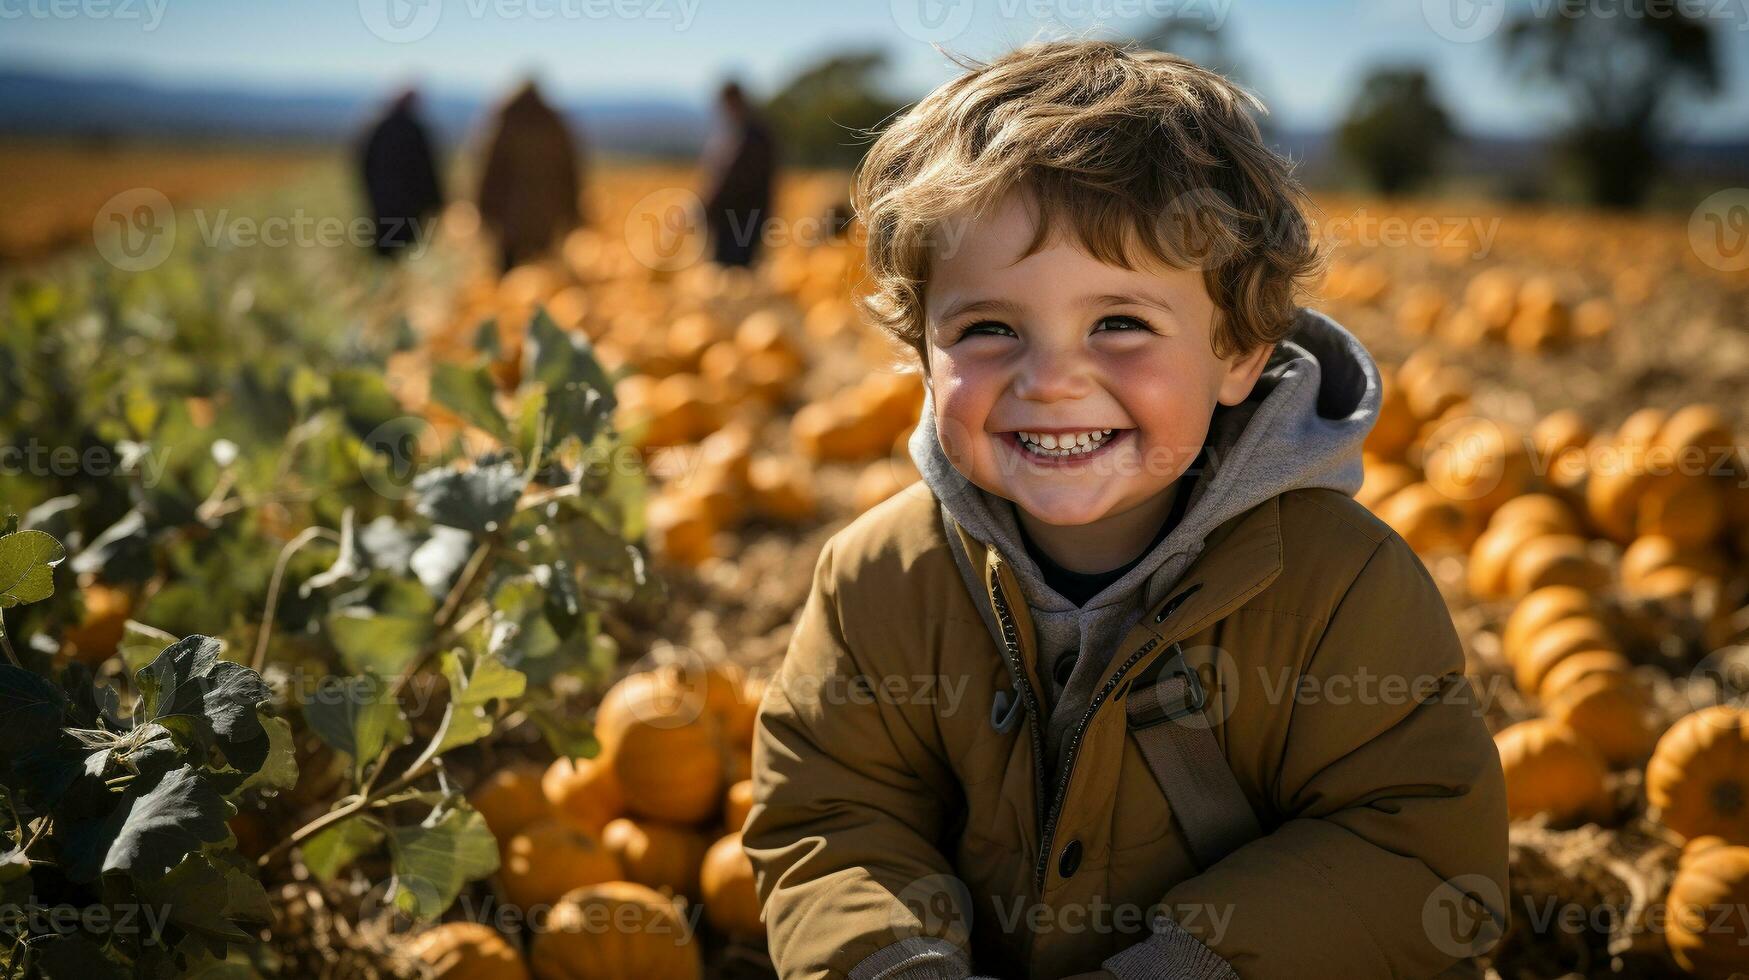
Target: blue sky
1304,57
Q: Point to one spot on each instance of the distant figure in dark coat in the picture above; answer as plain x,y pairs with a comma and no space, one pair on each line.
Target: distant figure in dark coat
400,175
530,185
740,164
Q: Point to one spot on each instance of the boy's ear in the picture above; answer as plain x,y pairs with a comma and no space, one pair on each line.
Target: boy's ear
1242,372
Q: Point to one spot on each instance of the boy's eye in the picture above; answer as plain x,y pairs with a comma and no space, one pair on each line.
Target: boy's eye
1121,323
989,328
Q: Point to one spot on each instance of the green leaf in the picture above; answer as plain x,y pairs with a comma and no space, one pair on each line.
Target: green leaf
377,643
201,898
212,702
329,852
579,395
471,687
151,830
357,716
280,770
468,392
27,567
433,860
479,500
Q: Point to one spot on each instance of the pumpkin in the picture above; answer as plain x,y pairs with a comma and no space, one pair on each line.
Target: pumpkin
1537,509
737,804
1443,390
880,480
1694,434
656,854
1705,930
731,902
1560,440
1554,559
1540,610
682,528
1698,780
1540,325
1381,480
1427,519
1395,429
1557,642
1611,711
1550,769
582,792
103,624
1612,496
1687,509
617,930
669,763
1653,553
783,488
646,694
740,764
1481,465
1570,670
510,799
549,858
1492,554
1493,295
1593,318
467,951
1421,310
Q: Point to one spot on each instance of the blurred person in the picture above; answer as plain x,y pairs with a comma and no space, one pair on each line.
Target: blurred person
740,164
399,174
530,184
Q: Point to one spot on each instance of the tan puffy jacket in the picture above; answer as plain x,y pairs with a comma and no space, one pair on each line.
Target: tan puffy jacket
889,807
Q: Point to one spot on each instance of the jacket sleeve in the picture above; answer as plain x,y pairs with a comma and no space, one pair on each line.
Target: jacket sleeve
1392,861
849,800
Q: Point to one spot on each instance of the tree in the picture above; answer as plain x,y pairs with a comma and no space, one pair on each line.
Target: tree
1396,130
1620,75
826,113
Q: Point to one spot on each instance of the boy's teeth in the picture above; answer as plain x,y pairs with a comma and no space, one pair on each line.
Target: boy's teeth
1064,444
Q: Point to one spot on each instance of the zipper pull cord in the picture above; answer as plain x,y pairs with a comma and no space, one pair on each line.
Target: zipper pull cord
1006,711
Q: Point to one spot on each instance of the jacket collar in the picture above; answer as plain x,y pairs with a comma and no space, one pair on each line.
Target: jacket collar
1239,559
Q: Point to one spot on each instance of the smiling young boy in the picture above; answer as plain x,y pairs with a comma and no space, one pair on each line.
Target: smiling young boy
1215,722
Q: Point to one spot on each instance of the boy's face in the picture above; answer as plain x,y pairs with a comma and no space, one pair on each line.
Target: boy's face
1059,349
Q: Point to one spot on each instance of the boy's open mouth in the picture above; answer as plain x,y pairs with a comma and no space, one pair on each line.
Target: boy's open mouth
1063,446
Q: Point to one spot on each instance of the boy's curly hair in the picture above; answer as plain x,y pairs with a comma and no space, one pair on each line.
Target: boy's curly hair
1130,146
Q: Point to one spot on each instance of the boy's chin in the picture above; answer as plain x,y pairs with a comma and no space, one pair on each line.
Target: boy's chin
1060,506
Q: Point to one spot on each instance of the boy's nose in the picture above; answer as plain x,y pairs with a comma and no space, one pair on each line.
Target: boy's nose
1052,375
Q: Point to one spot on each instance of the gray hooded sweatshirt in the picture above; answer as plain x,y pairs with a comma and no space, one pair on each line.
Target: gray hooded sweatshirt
1301,427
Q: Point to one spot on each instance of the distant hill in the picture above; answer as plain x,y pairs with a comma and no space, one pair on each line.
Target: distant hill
45,104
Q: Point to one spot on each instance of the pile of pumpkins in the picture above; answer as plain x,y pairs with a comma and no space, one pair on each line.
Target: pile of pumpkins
1573,528
1528,313
1664,499
616,849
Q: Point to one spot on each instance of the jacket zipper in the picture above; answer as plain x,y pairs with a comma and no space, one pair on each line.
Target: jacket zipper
1011,641
1046,842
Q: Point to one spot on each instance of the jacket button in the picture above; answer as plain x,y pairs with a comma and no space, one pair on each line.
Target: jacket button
1070,860
1064,666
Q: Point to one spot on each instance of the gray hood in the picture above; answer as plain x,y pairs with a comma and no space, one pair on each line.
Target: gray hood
1302,427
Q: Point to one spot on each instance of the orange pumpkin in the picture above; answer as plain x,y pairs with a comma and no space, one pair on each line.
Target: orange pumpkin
1539,610
547,859
1396,426
783,488
1480,465
1612,712
583,792
682,528
1554,559
1551,769
657,855
1381,480
731,902
467,951
1557,642
1427,519
1538,510
1706,932
1688,509
1571,670
1652,553
510,799
100,630
1698,779
669,763
737,804
617,930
